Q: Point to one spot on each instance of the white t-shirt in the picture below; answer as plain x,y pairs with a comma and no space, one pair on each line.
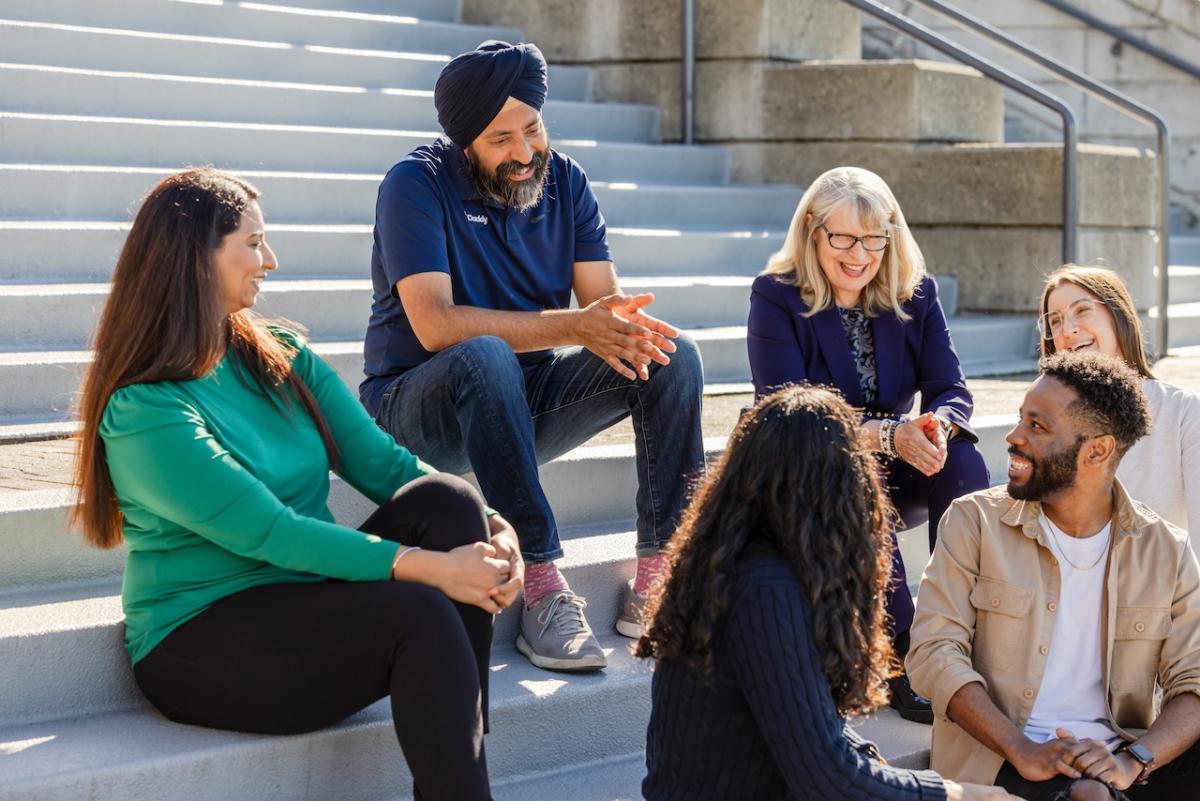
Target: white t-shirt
1072,692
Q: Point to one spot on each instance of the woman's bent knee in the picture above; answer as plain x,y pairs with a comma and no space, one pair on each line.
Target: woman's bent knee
448,506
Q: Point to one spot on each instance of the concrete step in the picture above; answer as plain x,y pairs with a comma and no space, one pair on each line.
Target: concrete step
1185,250
444,10
92,47
279,23
79,629
171,144
357,759
69,192
82,251
38,385
70,90
63,316
1185,284
617,779
1184,330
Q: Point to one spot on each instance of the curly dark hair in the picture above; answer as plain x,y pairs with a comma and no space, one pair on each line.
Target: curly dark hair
1110,399
794,476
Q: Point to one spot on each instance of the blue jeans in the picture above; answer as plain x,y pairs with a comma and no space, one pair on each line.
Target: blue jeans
474,406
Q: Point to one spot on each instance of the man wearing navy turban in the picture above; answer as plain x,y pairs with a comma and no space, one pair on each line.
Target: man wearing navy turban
475,360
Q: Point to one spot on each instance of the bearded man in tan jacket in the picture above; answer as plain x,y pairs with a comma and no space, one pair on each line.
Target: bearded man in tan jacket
1056,607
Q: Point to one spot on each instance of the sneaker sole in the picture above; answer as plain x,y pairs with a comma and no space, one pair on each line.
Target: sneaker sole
627,628
581,665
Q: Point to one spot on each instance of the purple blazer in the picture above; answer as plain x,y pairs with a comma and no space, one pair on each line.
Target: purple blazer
916,356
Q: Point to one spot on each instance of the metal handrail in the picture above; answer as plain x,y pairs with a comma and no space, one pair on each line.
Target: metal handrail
1070,199
1121,102
687,86
1125,37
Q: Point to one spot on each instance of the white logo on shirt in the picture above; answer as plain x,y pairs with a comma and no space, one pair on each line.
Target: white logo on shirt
476,218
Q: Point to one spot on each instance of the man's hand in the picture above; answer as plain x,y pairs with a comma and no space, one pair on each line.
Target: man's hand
504,540
1097,762
1039,763
616,329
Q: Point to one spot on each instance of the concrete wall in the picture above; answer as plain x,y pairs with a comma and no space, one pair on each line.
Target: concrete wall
1171,24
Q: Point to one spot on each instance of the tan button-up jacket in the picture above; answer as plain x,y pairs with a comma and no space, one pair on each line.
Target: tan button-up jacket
986,609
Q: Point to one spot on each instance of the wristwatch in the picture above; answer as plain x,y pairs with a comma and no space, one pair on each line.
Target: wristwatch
1144,758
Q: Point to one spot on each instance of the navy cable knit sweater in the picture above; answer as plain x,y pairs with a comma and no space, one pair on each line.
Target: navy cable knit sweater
766,728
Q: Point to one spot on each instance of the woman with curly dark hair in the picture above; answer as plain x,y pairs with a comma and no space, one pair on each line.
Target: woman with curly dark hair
768,625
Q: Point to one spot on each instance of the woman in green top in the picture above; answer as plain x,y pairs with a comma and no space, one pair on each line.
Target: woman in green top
207,438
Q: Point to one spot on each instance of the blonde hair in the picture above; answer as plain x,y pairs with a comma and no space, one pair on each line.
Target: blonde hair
1108,288
901,267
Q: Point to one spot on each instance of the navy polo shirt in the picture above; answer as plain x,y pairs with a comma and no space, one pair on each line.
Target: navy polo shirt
430,217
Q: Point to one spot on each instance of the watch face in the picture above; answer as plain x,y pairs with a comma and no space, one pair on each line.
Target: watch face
1141,753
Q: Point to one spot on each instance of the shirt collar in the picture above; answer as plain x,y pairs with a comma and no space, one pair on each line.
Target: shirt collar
1130,517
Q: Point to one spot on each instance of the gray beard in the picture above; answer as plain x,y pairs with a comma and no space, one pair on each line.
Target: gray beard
519,195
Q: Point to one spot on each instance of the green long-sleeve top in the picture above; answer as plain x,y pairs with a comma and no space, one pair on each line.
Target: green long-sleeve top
221,490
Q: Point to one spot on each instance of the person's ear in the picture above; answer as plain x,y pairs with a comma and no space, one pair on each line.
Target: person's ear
1100,451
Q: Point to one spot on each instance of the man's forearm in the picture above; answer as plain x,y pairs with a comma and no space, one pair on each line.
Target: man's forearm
976,714
523,331
1175,730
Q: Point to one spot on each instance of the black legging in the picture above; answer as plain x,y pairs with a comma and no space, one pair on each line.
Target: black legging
292,658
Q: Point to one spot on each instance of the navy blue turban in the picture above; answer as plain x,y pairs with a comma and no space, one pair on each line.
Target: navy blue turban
474,87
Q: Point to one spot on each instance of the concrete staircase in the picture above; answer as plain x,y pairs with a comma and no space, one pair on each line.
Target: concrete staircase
313,101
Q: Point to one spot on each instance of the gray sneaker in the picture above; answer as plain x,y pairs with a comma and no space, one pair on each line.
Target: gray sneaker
633,609
556,636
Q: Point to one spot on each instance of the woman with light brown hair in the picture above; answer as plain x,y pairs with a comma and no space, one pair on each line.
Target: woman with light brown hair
1090,308
846,302
208,434
768,625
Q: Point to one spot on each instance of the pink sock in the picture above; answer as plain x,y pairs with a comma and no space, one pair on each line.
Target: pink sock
649,568
541,579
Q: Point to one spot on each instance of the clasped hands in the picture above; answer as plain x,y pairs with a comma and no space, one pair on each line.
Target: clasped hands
487,575
1076,759
616,329
921,442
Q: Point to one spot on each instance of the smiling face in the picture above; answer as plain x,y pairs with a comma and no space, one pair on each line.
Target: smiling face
510,158
847,271
1081,321
1043,448
243,260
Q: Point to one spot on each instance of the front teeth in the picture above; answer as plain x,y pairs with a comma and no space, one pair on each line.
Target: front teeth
1017,463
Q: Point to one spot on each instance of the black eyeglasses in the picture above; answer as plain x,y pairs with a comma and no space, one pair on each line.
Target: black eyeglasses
871,242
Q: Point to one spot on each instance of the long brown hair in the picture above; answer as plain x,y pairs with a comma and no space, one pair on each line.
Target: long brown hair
1108,288
165,321
793,476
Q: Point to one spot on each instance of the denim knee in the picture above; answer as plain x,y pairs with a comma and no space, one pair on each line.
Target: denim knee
487,359
686,370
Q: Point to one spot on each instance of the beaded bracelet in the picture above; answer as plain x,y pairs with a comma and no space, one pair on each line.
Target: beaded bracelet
887,438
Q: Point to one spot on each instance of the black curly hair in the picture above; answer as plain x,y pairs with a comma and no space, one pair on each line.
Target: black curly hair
1110,398
793,475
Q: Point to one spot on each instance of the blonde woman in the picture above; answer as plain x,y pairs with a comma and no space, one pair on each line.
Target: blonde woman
1089,308
846,303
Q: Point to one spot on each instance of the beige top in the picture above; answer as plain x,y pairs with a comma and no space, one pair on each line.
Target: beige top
1163,469
987,605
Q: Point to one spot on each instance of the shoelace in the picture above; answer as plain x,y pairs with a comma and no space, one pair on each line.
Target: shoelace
566,613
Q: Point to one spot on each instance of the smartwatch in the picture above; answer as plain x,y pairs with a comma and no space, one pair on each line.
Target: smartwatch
1144,758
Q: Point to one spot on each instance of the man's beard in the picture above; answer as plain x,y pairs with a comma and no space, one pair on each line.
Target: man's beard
1053,473
520,195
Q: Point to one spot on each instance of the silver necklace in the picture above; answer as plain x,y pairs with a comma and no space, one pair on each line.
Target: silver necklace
1063,554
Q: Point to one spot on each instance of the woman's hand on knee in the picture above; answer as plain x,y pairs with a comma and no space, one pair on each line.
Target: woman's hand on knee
920,442
469,573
